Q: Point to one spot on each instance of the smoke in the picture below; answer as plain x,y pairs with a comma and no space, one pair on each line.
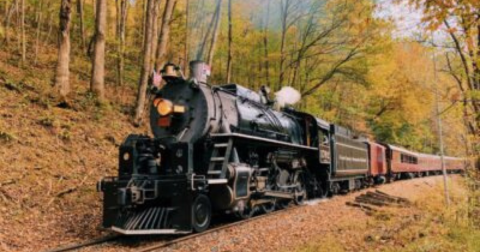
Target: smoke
287,96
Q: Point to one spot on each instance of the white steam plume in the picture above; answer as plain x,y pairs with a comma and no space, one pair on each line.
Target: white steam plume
287,96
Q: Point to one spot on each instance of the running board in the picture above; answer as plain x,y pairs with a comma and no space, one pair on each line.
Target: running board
276,194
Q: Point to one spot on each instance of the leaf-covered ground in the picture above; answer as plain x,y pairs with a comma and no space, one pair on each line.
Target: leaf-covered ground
51,157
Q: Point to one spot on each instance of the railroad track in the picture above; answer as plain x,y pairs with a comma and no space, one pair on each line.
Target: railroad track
108,238
212,230
84,244
173,241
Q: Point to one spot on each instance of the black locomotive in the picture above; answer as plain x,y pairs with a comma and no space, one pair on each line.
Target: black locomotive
224,150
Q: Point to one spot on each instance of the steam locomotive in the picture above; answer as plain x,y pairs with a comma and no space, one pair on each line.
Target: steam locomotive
230,150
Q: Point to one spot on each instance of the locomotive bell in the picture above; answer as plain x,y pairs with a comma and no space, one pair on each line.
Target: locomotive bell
199,71
169,72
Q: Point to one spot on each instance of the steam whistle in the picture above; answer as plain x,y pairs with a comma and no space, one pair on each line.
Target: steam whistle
265,95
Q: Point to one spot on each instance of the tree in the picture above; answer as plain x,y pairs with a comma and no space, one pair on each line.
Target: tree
81,22
122,23
23,49
265,44
8,20
39,19
185,49
212,28
146,66
62,71
154,45
461,22
216,30
97,82
288,16
230,38
333,46
164,34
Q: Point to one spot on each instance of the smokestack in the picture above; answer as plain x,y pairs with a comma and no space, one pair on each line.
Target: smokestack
199,71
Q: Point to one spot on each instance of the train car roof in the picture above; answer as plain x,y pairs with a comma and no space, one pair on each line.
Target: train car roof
337,129
323,124
372,142
401,149
424,155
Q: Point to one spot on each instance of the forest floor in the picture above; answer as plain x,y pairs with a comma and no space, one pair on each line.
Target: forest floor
51,156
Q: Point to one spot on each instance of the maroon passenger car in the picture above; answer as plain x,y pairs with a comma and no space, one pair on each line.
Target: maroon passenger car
377,163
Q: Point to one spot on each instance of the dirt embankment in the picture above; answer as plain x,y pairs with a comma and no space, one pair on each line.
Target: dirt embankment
52,156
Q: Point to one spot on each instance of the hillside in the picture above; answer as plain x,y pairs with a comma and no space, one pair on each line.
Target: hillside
51,157
348,59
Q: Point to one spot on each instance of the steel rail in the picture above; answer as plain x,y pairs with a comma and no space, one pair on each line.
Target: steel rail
85,243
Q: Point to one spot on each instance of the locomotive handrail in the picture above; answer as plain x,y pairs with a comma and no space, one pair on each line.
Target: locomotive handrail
264,140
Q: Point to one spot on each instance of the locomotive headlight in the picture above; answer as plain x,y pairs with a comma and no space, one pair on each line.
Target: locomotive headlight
164,107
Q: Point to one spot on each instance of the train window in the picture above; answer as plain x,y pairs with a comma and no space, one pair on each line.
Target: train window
408,159
322,138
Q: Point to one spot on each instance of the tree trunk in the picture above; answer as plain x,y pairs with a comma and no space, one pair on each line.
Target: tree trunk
62,73
82,22
39,25
164,34
284,17
265,45
122,22
207,35
230,38
144,19
22,28
97,83
117,19
7,8
216,30
185,52
50,28
8,20
5,13
144,74
154,45
38,21
17,26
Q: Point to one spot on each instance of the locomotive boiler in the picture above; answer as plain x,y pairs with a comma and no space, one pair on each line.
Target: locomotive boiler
215,149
